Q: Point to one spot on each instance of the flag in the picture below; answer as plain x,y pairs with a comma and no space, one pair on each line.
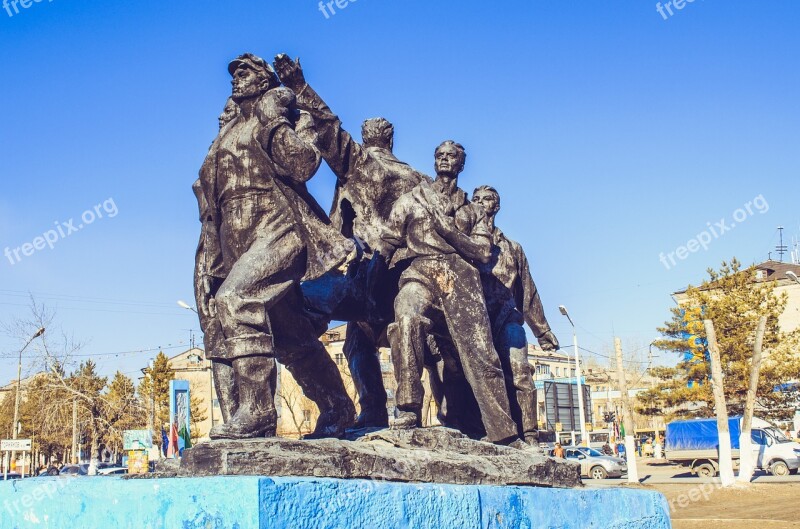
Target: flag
172,451
184,439
164,442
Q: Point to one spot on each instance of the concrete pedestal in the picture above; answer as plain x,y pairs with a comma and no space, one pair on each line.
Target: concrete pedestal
309,503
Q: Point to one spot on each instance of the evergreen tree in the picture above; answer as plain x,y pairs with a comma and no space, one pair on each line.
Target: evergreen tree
154,393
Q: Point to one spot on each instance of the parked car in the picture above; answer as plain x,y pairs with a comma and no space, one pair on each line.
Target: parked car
10,475
594,464
112,471
72,470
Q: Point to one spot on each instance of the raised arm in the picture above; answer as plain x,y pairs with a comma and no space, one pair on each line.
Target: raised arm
337,146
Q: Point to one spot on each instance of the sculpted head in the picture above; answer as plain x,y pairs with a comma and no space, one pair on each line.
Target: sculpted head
229,113
450,158
378,132
488,198
252,76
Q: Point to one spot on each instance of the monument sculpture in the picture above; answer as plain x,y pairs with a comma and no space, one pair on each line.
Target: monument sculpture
406,260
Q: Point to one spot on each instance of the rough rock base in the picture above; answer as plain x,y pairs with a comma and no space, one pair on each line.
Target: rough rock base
426,455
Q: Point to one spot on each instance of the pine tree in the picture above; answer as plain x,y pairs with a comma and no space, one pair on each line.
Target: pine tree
154,393
123,411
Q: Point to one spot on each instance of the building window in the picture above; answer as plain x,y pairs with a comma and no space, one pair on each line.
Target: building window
339,359
542,369
558,371
573,373
306,415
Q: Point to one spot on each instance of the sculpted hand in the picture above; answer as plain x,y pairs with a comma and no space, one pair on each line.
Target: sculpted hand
205,306
290,72
549,342
443,224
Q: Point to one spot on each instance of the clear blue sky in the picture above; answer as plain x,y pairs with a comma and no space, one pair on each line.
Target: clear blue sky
612,135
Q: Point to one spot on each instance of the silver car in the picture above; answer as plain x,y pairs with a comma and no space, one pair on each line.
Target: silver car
595,464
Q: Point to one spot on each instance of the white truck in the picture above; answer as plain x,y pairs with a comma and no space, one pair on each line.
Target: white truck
695,444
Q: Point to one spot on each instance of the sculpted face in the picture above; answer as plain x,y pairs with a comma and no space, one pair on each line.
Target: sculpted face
230,112
246,84
488,200
449,160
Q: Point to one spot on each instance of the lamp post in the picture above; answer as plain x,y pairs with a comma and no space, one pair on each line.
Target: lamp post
581,414
15,424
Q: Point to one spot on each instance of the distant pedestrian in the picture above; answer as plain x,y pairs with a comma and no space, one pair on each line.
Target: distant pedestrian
621,449
558,451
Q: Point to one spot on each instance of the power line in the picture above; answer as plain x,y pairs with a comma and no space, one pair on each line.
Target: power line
119,353
82,299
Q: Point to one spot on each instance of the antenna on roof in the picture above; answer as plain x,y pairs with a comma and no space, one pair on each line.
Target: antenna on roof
781,248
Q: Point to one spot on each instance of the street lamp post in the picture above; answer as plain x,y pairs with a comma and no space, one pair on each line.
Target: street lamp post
581,413
15,424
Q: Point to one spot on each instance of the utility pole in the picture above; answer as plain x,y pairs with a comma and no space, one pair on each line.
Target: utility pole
75,432
151,416
725,452
746,463
15,424
630,443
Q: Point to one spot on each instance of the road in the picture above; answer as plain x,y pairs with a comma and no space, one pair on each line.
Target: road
653,472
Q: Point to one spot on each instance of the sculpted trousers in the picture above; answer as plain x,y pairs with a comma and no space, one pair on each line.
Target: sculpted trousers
450,285
512,346
260,312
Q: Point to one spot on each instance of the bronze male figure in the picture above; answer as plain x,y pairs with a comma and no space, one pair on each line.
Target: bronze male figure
264,235
441,233
370,179
512,299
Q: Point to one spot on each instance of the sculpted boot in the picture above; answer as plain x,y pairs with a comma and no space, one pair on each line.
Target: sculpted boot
255,415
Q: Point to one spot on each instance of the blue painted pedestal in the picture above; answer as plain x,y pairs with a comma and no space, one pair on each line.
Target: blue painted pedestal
308,503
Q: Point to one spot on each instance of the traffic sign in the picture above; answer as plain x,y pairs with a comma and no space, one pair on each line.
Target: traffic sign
15,445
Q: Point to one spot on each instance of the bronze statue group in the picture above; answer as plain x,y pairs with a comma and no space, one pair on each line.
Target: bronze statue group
409,262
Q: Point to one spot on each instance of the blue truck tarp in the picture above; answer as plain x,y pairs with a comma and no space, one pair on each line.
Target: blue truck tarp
699,434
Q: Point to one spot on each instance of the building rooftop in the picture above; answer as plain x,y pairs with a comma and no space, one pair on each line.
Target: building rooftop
767,271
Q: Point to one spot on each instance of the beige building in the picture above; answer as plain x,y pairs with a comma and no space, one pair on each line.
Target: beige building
192,366
774,271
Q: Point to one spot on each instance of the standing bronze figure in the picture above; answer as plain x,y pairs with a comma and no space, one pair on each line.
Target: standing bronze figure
441,233
369,180
512,299
263,234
